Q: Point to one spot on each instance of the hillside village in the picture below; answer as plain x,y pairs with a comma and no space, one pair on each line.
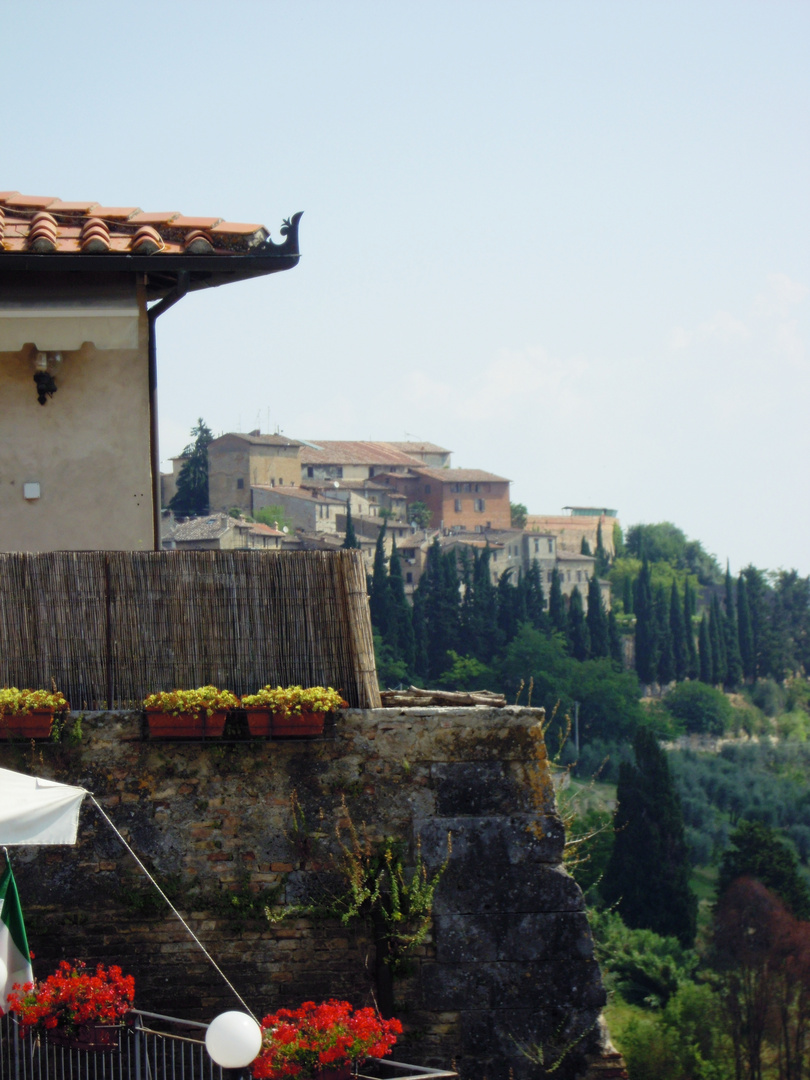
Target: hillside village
411,488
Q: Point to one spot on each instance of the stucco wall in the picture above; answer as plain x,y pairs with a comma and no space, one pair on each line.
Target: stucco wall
88,448
509,962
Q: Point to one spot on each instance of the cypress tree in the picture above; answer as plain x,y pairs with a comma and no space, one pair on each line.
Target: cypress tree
602,560
556,605
597,620
647,876
615,639
677,633
627,595
717,640
584,547
419,624
692,663
350,539
666,659
400,620
535,597
647,645
578,627
511,606
380,598
706,666
733,659
745,633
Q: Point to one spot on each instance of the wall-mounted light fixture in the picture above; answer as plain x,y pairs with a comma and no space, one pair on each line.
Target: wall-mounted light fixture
46,365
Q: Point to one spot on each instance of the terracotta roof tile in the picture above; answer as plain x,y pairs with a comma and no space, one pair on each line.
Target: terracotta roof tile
455,476
334,452
43,224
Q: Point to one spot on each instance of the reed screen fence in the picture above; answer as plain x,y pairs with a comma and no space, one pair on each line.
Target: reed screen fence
110,627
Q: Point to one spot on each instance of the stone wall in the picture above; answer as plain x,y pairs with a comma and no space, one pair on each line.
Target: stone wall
509,965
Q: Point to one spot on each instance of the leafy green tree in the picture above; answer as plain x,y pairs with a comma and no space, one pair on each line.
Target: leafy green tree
556,605
191,496
757,851
350,539
419,515
597,620
703,710
518,515
618,541
578,627
647,877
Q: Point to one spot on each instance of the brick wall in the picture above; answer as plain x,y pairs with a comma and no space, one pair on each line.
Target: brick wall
510,960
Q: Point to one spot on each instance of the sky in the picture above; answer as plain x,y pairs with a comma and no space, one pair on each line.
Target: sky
569,241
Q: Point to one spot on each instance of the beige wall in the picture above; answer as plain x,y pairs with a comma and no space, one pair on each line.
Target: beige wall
88,448
254,465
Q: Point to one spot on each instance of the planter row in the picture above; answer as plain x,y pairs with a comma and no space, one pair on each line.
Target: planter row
262,724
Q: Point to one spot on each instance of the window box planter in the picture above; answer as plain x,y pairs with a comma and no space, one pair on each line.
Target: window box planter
35,724
90,1036
163,725
264,723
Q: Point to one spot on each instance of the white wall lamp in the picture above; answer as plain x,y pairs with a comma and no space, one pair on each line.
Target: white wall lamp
46,364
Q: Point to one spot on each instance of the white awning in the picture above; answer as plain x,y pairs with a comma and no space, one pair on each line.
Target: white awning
37,811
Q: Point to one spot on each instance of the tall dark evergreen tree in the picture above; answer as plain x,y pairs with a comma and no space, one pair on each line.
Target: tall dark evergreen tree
733,659
627,595
717,640
648,873
615,639
420,636
597,620
380,597
755,850
481,610
602,559
584,547
535,597
191,496
677,633
692,663
745,633
400,632
556,605
578,628
439,597
511,606
350,539
647,645
706,664
666,657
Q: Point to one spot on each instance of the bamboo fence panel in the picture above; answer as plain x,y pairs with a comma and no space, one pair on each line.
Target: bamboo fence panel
111,627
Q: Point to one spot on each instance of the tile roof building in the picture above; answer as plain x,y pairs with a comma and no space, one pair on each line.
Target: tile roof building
76,335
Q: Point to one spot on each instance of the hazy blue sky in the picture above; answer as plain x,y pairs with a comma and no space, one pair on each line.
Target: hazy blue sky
568,241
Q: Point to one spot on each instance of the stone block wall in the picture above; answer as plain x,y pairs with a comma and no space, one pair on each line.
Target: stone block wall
228,827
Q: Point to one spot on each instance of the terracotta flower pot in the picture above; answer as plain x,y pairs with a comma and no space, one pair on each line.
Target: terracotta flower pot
89,1036
185,725
35,724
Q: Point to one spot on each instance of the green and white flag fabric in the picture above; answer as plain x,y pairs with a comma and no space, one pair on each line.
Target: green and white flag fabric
15,958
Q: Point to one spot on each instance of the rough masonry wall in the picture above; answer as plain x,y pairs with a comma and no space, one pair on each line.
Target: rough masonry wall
509,966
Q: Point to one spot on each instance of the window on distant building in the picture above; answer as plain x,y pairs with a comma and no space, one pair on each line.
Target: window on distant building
479,505
457,505
240,483
537,547
310,471
579,575
551,546
466,487
409,577
427,489
551,575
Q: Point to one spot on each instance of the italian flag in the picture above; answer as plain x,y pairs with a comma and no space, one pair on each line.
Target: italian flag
15,958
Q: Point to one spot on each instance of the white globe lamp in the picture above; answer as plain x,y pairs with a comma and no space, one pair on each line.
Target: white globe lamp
233,1040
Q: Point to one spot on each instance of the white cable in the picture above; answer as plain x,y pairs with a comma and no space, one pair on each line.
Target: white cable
171,905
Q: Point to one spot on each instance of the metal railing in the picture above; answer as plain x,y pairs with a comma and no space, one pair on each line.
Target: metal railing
153,1047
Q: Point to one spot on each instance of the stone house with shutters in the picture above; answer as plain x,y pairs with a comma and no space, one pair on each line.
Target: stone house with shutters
458,499
238,463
